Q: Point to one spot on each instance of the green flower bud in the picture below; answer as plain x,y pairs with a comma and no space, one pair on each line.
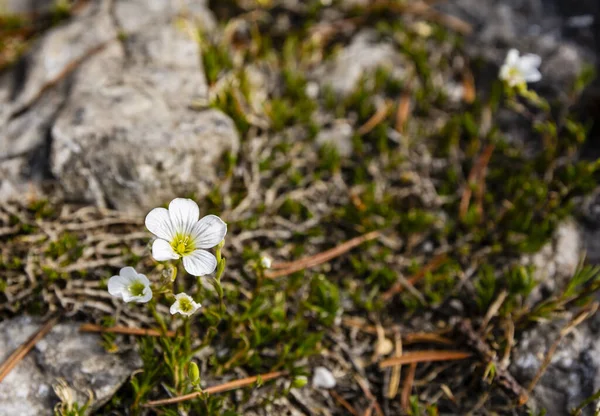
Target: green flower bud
299,382
194,373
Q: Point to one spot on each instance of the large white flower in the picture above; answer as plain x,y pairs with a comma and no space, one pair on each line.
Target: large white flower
519,70
180,234
130,286
184,304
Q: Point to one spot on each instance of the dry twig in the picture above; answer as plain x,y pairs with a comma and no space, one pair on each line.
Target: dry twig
231,385
124,330
424,356
282,269
22,351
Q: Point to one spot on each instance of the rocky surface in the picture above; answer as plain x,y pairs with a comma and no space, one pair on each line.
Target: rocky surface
110,106
65,353
574,371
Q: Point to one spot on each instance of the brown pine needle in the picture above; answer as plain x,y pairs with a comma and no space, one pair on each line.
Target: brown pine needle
367,392
424,357
403,112
477,174
124,330
468,83
231,385
343,402
375,119
407,387
396,370
422,337
22,351
398,287
282,269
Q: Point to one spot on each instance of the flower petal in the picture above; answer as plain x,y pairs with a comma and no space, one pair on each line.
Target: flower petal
184,214
162,250
159,223
209,231
199,263
174,308
117,285
533,75
146,296
128,272
512,57
530,61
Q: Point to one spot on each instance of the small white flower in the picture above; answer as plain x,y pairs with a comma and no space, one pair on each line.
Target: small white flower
180,234
519,70
184,304
130,286
323,379
266,262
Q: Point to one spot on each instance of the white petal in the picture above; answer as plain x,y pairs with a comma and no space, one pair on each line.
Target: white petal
505,72
143,279
162,250
146,296
129,272
533,76
117,285
174,308
530,61
323,379
159,223
512,57
209,231
199,263
184,214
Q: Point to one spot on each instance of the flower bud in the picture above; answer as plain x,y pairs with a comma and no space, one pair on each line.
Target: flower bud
194,373
299,382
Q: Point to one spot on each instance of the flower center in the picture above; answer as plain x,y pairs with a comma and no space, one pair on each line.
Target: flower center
185,305
183,244
137,289
514,73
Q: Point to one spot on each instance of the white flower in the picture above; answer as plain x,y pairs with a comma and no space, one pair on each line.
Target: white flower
184,304
266,262
519,70
323,379
130,286
180,234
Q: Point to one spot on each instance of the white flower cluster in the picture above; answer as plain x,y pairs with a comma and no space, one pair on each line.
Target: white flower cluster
181,234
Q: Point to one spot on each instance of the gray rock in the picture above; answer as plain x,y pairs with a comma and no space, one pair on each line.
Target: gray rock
556,262
574,371
108,107
364,54
65,353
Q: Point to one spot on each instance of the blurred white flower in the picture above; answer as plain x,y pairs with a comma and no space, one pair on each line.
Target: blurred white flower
323,378
130,286
180,234
519,70
266,261
184,304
